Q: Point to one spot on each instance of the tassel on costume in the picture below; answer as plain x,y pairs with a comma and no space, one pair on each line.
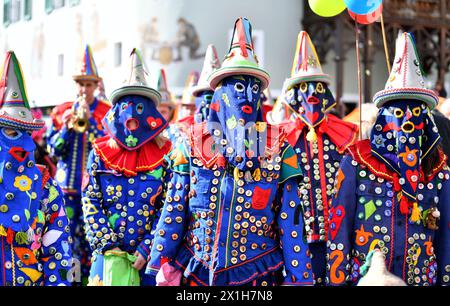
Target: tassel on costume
404,206
415,214
236,173
257,175
311,136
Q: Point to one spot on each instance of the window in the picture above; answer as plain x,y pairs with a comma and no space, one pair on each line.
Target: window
13,10
27,9
61,65
6,12
74,2
118,54
51,5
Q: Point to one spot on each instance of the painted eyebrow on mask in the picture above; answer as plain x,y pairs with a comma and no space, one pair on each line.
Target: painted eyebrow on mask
239,78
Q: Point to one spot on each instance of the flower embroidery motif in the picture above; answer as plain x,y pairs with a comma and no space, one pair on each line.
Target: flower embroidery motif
23,183
131,141
110,190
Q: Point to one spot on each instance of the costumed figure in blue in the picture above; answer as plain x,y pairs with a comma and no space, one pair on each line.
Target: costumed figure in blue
126,177
232,215
320,140
35,242
393,191
75,125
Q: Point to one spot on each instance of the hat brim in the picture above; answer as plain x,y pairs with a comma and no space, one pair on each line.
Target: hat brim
148,92
291,82
425,95
196,90
218,75
92,78
7,121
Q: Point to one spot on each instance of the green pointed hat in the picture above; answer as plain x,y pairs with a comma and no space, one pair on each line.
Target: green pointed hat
137,83
241,59
14,107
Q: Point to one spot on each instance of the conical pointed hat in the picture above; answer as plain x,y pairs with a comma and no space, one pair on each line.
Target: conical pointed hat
88,70
406,79
306,66
163,88
14,107
191,81
137,82
241,59
211,64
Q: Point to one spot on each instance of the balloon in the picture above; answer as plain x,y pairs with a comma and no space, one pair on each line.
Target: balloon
368,18
327,8
362,7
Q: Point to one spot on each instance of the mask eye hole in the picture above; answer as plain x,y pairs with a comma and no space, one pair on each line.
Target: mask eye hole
304,87
398,113
140,108
239,87
123,106
290,94
13,136
320,88
417,111
255,89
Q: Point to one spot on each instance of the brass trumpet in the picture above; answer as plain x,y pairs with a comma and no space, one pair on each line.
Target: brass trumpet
81,122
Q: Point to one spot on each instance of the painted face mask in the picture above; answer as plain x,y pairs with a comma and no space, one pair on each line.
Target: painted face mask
235,121
403,135
202,103
134,121
310,100
21,181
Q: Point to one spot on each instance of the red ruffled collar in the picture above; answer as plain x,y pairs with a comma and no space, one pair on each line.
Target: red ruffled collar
342,134
361,152
204,148
147,158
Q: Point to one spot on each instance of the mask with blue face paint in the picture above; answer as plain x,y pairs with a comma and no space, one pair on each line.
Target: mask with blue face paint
21,180
133,121
310,100
202,103
235,121
403,135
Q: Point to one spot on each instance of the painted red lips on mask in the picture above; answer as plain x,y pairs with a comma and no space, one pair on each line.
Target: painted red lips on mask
247,109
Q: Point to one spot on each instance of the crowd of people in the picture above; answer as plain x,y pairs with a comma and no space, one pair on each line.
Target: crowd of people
224,189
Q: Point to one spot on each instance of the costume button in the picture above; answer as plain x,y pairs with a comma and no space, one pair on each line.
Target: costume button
4,208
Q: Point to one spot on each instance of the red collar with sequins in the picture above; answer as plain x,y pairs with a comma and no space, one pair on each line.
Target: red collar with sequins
204,148
147,158
342,134
361,152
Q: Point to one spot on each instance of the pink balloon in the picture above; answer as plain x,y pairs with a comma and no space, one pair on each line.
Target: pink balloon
367,19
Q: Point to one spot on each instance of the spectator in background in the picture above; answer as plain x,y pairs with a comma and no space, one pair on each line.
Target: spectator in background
441,120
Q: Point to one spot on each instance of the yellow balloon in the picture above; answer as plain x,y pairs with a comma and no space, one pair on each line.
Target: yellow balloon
327,8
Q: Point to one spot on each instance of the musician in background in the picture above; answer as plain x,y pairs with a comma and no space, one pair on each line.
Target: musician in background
75,125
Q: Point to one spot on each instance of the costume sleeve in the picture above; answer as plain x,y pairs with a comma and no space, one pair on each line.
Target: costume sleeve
341,223
58,141
152,220
56,241
442,243
170,230
290,222
98,229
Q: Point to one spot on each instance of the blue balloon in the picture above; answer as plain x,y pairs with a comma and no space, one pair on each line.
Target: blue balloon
363,7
